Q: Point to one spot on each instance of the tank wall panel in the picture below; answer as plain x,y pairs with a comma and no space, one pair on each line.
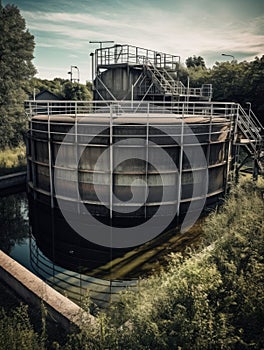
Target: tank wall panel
141,166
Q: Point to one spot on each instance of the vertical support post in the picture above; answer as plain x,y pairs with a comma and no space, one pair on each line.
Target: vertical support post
51,174
208,151
148,110
50,161
132,96
146,163
179,192
229,151
188,89
33,155
111,162
77,156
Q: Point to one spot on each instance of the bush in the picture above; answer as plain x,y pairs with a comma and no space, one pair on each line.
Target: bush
16,331
12,160
211,299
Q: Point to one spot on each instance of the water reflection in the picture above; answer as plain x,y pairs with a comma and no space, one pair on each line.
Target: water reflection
72,264
14,226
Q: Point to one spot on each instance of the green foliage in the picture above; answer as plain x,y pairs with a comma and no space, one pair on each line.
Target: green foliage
63,88
211,299
55,86
208,299
16,331
232,81
12,160
16,68
77,92
195,61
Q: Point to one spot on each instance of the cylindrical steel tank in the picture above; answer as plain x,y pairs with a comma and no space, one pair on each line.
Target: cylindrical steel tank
105,179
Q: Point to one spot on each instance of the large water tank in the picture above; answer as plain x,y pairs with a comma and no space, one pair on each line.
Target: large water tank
125,161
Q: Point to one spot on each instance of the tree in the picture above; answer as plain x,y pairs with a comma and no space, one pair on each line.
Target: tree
76,91
235,82
63,88
192,62
16,69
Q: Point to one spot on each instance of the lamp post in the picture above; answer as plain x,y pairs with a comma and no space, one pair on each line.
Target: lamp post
92,56
224,54
71,74
78,71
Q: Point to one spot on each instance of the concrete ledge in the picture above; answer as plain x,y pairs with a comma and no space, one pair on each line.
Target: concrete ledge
33,290
11,180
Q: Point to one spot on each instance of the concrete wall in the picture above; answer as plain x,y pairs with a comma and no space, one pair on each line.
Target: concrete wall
17,179
32,289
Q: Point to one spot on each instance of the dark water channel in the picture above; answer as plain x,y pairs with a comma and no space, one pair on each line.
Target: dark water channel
18,239
41,241
14,227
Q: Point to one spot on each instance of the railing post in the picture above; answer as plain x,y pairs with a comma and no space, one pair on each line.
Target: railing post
111,161
179,191
50,161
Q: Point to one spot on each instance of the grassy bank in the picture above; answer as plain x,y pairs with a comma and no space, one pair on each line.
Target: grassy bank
12,160
210,298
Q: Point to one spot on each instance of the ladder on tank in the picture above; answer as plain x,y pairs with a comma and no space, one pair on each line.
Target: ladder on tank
249,133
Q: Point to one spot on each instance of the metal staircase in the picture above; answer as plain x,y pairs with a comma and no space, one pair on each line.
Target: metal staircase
249,133
163,80
169,85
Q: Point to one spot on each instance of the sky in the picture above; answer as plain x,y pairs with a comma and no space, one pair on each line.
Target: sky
207,28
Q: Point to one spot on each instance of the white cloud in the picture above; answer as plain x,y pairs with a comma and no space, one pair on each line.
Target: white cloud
192,30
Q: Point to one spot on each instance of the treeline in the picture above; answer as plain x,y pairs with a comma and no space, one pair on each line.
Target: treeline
63,88
210,298
17,82
234,81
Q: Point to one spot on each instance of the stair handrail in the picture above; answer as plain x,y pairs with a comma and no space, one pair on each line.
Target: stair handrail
255,127
253,116
148,64
175,87
177,83
249,128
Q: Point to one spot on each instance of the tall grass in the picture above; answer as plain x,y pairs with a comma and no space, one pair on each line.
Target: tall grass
212,298
12,160
16,331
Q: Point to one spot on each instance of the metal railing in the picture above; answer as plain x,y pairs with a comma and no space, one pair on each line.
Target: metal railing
247,124
174,87
125,109
120,54
164,80
252,130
